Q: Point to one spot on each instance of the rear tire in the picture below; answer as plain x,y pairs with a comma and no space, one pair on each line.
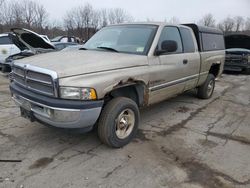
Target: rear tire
205,91
118,122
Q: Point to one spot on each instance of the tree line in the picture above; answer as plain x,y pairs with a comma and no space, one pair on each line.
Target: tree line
227,25
83,21
26,13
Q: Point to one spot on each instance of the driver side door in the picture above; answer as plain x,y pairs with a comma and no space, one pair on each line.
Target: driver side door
168,77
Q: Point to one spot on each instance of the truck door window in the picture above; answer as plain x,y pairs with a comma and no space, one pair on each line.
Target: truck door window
171,33
5,40
188,40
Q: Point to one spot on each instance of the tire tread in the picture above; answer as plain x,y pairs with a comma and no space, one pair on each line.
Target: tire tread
103,127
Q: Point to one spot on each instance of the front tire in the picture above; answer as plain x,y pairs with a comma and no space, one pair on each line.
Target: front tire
118,122
205,91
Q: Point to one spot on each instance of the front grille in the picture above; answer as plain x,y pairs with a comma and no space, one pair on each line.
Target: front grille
235,58
34,80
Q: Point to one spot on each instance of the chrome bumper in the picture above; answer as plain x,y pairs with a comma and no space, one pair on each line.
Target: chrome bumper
59,117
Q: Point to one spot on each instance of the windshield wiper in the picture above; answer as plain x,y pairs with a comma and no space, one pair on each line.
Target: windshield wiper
108,48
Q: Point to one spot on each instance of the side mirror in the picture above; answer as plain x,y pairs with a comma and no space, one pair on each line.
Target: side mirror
167,46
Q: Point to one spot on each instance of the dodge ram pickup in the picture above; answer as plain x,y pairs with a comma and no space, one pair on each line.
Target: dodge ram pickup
121,69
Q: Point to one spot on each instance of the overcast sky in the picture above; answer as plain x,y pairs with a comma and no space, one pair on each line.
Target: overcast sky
158,10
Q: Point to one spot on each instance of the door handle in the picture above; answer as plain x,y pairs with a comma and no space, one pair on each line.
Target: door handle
185,61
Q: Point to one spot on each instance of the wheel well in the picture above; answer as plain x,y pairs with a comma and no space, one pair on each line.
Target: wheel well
134,92
215,70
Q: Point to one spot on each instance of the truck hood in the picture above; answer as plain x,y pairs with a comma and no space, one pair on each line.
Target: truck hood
17,42
237,41
26,39
78,62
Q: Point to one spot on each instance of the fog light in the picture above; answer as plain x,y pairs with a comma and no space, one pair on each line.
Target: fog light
65,116
48,111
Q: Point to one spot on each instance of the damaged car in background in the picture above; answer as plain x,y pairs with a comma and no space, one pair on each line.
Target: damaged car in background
238,60
237,53
29,43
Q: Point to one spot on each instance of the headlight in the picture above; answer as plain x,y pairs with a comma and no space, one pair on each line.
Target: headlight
78,93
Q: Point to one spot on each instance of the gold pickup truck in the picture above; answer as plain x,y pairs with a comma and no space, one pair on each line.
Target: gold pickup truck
120,69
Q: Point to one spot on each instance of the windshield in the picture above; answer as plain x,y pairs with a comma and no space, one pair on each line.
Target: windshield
135,39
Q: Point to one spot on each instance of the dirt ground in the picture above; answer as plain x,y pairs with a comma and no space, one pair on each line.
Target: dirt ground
182,143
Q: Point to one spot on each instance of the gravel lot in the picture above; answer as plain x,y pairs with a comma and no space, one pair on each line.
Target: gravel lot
182,142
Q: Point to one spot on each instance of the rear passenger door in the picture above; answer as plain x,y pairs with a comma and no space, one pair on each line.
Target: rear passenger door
191,60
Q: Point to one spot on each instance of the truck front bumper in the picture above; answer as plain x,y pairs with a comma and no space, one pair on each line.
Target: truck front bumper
238,67
56,112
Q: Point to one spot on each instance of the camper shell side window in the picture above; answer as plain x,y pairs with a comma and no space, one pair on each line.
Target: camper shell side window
208,39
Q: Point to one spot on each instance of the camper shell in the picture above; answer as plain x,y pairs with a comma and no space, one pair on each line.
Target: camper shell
208,38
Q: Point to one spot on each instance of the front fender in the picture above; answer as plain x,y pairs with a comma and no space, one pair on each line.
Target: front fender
105,82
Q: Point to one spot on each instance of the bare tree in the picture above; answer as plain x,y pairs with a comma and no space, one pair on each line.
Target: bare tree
1,15
112,17
41,17
54,29
227,25
173,20
86,14
247,24
207,20
1,11
70,23
96,20
30,12
17,13
239,23
84,21
103,17
81,20
74,21
6,15
27,13
118,15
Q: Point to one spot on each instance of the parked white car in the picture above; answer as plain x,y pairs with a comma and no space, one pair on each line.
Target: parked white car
7,48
